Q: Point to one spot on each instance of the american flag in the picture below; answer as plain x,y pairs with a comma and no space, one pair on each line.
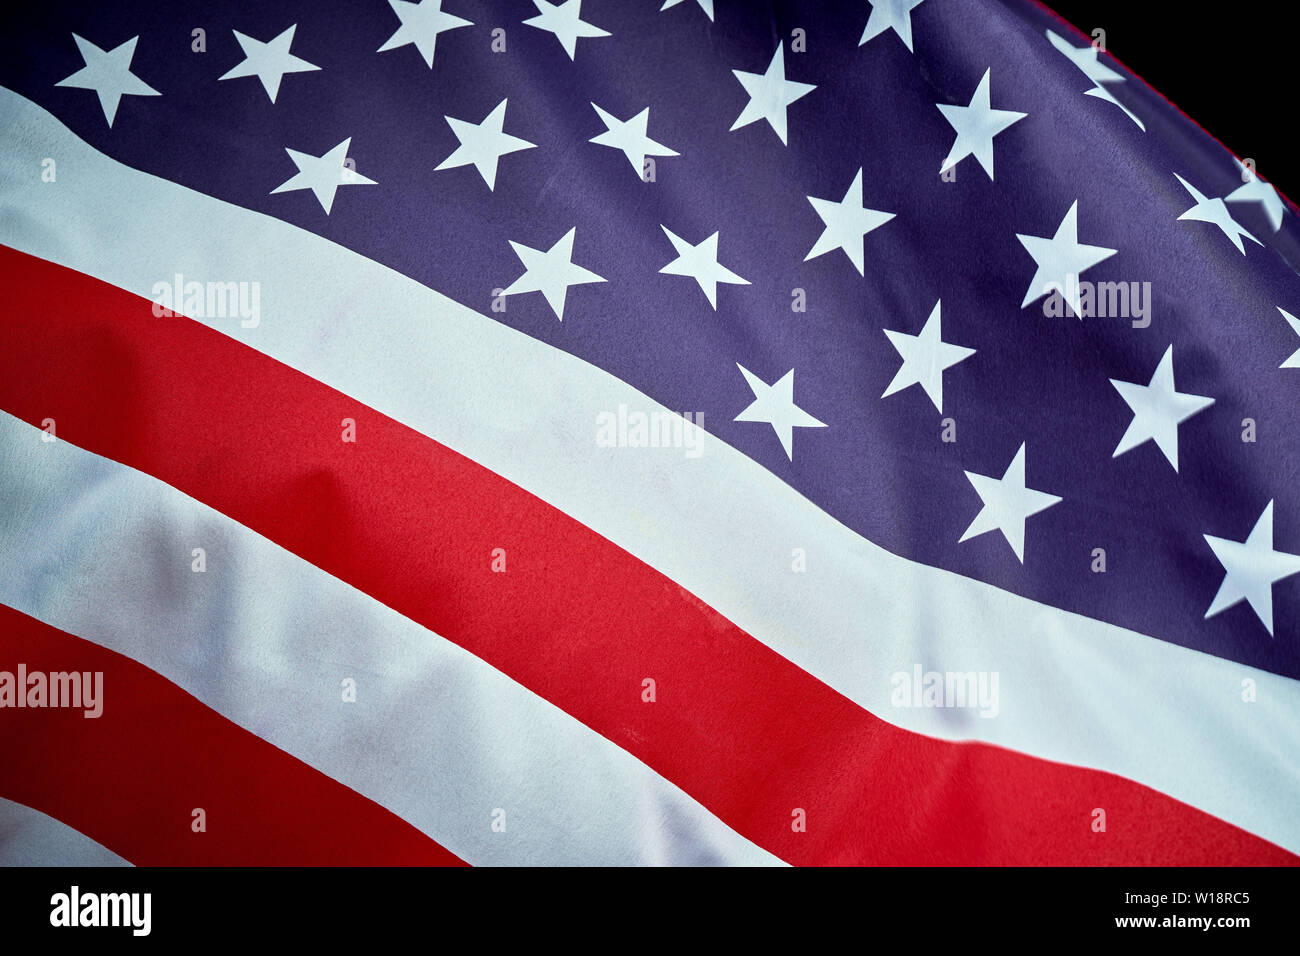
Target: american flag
607,432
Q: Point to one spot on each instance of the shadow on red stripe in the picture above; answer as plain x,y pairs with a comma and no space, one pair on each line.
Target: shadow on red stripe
575,618
131,778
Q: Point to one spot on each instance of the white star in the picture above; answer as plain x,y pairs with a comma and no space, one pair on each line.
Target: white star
550,272
1007,504
108,74
775,405
1255,189
705,5
1216,212
847,224
421,24
1087,59
1061,260
769,94
268,61
1158,410
323,175
565,21
1291,320
976,125
1101,93
483,144
1252,567
630,136
701,264
925,357
893,15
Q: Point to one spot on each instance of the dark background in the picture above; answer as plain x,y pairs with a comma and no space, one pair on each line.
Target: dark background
1232,70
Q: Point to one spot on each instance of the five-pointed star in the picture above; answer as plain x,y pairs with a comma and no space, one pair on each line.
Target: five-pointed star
701,264
1158,410
565,21
1291,320
893,15
925,357
847,224
1007,503
421,24
1215,211
109,74
1061,260
769,94
705,5
976,125
1252,567
630,136
1087,59
775,405
550,272
323,175
483,144
1255,189
268,61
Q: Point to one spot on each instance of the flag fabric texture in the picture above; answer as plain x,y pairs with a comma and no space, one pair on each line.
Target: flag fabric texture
616,432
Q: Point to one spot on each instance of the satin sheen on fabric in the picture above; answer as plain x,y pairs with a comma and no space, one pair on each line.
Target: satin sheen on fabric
1176,728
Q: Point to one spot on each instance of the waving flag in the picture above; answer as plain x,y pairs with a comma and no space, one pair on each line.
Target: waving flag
623,432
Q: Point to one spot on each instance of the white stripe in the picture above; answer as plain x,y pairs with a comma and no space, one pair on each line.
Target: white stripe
265,638
31,838
1072,689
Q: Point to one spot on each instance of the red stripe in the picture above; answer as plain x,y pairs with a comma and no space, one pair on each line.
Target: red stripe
575,618
132,777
